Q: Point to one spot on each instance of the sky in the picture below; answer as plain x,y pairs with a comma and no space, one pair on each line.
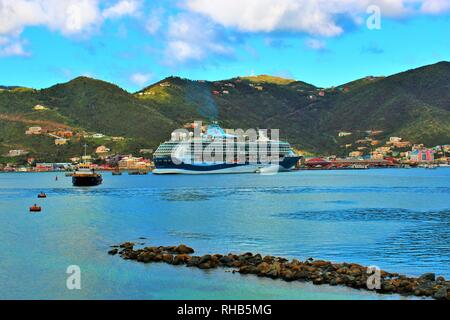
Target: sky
134,43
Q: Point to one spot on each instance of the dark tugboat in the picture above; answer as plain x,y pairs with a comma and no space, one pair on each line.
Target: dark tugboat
84,176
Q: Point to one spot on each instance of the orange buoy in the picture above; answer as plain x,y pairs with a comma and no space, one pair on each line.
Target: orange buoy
42,195
35,208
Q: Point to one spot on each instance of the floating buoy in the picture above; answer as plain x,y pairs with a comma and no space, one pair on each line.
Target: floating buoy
35,208
42,195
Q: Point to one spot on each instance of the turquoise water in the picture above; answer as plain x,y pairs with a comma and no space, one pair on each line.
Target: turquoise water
396,219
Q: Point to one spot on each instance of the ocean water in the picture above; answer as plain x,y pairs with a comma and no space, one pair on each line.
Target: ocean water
397,219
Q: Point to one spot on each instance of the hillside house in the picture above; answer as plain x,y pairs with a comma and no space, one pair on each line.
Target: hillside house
64,134
322,93
60,141
225,92
16,153
98,136
422,155
377,156
383,150
355,154
34,131
395,139
344,134
102,150
401,144
38,107
215,92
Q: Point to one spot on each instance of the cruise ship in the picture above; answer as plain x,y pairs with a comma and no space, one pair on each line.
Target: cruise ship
218,152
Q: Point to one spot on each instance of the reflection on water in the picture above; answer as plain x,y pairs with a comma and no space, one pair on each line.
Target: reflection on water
371,214
396,219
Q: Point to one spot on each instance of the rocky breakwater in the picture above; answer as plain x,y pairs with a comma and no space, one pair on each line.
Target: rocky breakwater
316,271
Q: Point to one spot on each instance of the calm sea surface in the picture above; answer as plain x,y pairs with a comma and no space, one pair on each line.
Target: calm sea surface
397,219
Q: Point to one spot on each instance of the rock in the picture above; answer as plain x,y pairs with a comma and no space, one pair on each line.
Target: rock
180,259
205,258
317,271
248,270
226,260
272,274
287,275
146,257
318,281
167,258
440,294
320,263
127,245
113,252
205,265
158,257
428,277
183,249
193,262
263,268
130,255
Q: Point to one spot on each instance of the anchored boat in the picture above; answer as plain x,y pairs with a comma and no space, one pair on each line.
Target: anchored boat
85,176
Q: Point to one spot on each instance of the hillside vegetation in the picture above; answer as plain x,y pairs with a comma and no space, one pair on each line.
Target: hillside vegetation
414,105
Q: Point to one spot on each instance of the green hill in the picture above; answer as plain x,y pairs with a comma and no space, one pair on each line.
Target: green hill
414,105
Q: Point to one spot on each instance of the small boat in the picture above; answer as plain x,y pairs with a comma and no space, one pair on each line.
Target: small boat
85,176
116,173
137,173
35,208
42,195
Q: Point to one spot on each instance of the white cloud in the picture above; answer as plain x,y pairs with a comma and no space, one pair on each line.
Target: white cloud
140,79
122,8
435,6
154,22
316,17
68,16
316,44
12,47
192,38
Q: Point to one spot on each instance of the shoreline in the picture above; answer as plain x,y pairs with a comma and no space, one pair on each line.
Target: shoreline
293,170
318,272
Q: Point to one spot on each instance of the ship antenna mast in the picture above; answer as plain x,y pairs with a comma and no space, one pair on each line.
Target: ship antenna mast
85,152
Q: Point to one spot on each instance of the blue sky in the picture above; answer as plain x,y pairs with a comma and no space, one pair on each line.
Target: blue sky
134,43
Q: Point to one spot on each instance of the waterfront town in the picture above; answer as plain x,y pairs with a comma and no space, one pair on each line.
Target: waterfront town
361,153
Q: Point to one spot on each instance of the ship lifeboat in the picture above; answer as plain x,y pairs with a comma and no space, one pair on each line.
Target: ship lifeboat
42,195
35,208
